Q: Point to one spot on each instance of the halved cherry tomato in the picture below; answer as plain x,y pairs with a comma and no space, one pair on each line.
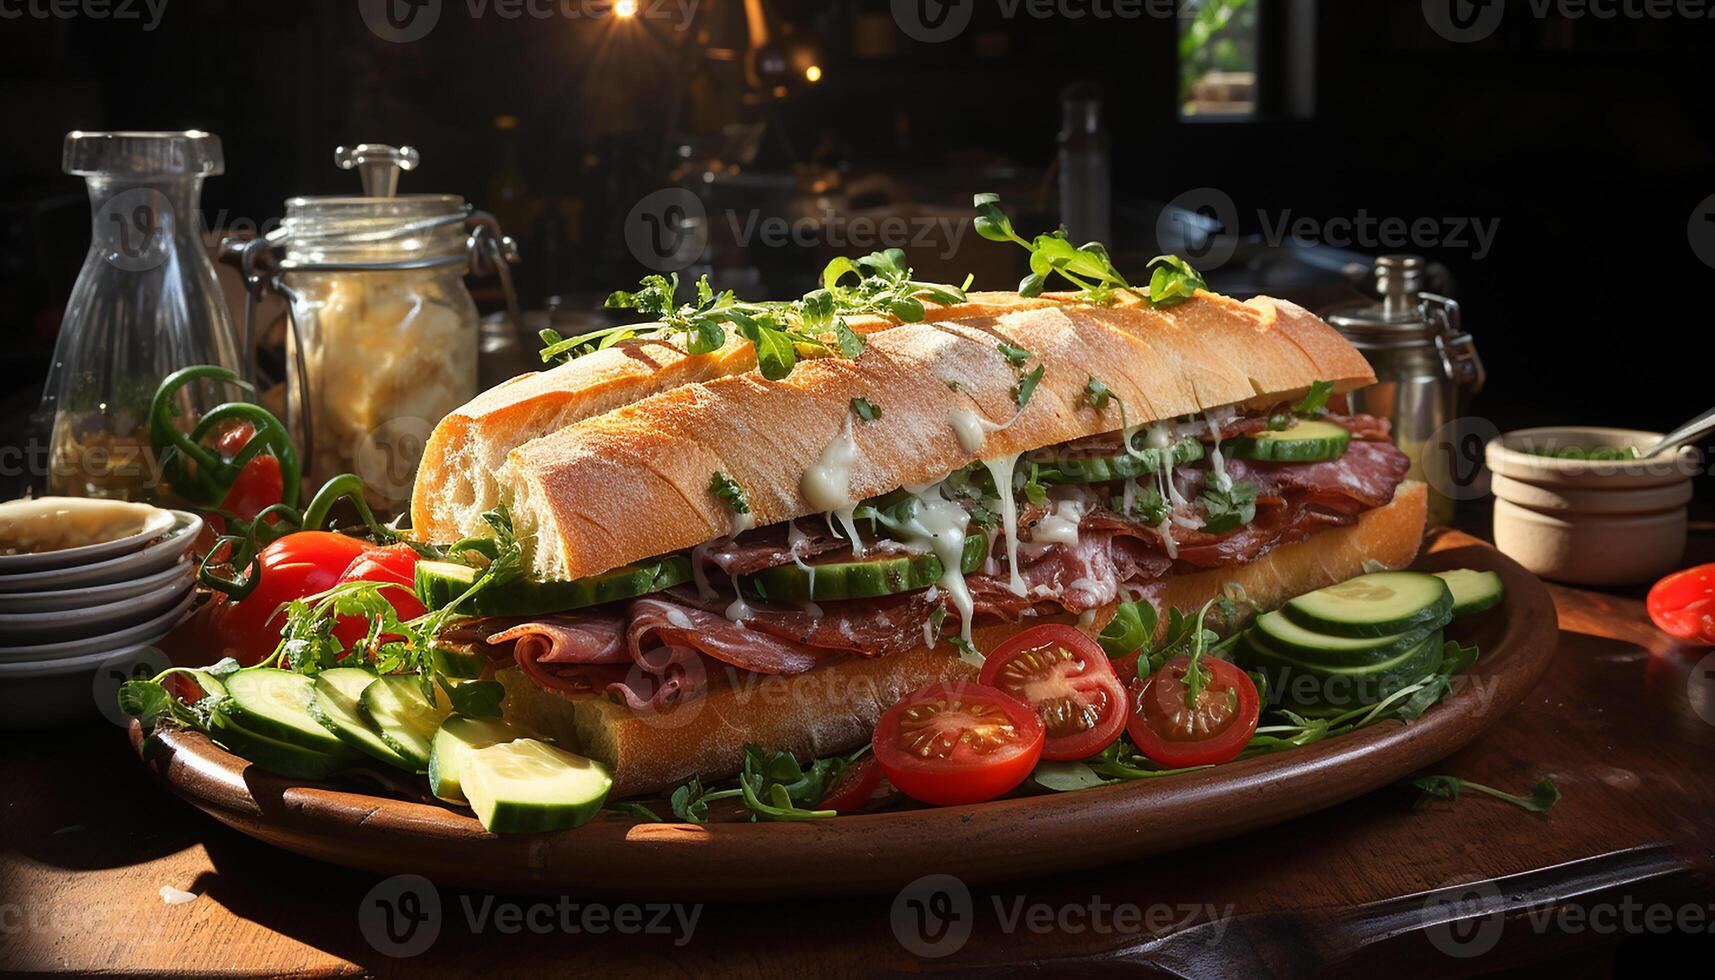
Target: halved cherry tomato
395,563
1683,604
259,484
1212,730
853,787
958,743
1067,678
299,564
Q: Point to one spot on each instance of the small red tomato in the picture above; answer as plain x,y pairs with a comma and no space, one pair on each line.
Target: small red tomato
259,484
396,563
1683,605
1067,678
855,786
300,564
1175,730
955,743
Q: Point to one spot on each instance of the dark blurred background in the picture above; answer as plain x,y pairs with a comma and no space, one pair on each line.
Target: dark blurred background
1585,144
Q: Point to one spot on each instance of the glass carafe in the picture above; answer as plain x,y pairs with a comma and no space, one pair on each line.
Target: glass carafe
146,303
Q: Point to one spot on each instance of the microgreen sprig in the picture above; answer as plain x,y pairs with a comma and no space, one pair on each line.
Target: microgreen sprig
1088,266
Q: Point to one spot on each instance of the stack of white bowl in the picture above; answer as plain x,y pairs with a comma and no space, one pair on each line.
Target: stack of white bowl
68,612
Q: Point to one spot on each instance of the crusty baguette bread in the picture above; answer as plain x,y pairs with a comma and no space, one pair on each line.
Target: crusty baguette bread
634,482
834,708
456,481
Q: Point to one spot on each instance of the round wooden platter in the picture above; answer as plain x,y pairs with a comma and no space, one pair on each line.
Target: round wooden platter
1009,838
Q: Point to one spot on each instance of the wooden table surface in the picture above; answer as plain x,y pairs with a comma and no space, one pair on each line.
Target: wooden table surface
1622,867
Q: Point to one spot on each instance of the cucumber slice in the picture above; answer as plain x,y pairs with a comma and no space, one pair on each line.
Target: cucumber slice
1377,604
525,785
1293,640
1473,591
1307,441
334,704
859,579
440,582
395,707
273,704
457,737
1314,689
1106,469
283,758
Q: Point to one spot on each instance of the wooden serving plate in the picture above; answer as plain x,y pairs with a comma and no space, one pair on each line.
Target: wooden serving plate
867,853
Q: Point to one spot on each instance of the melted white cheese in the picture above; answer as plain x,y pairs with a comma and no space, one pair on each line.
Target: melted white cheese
1001,468
738,610
941,525
827,484
677,617
699,577
1218,419
1060,526
972,429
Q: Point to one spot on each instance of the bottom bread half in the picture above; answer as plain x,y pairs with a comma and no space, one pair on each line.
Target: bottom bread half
834,708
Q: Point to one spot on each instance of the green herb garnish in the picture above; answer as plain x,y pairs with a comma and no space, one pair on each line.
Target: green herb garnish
1230,508
865,409
1026,386
1316,402
726,488
1086,266
1544,795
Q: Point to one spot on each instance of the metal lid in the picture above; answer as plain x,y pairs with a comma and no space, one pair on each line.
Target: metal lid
381,230
1395,318
192,153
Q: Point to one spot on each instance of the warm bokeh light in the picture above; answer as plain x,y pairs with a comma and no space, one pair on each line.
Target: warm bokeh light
625,9
813,73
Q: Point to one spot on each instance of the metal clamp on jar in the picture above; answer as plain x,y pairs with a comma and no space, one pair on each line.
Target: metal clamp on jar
383,333
1426,364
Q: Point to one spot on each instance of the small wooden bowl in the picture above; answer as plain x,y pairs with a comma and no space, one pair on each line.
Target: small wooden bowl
1590,521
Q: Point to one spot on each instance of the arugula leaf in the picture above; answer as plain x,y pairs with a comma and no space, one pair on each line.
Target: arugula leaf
1544,795
476,699
1173,281
1026,386
1032,487
776,787
1230,508
1096,394
1015,355
865,409
1147,505
1130,631
726,488
1316,402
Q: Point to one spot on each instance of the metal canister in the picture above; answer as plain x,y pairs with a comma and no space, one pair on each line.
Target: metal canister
1426,365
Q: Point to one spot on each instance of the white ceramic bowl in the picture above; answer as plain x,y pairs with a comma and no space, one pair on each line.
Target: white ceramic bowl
52,517
77,689
71,624
153,628
1590,521
84,597
152,559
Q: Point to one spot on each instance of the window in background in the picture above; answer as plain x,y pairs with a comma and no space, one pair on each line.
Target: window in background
1218,59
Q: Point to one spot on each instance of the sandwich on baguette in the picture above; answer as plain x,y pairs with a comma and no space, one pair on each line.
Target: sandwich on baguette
715,558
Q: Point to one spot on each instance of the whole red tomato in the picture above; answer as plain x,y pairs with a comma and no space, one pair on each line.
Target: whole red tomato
299,564
396,563
1683,604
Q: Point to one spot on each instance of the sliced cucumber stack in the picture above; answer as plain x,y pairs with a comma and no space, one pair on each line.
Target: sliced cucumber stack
1283,635
1473,591
526,785
440,582
334,705
457,738
405,719
1121,466
274,755
1306,441
860,579
266,720
1321,688
1379,604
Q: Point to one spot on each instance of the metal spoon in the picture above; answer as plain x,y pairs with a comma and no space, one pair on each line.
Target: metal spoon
1691,431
